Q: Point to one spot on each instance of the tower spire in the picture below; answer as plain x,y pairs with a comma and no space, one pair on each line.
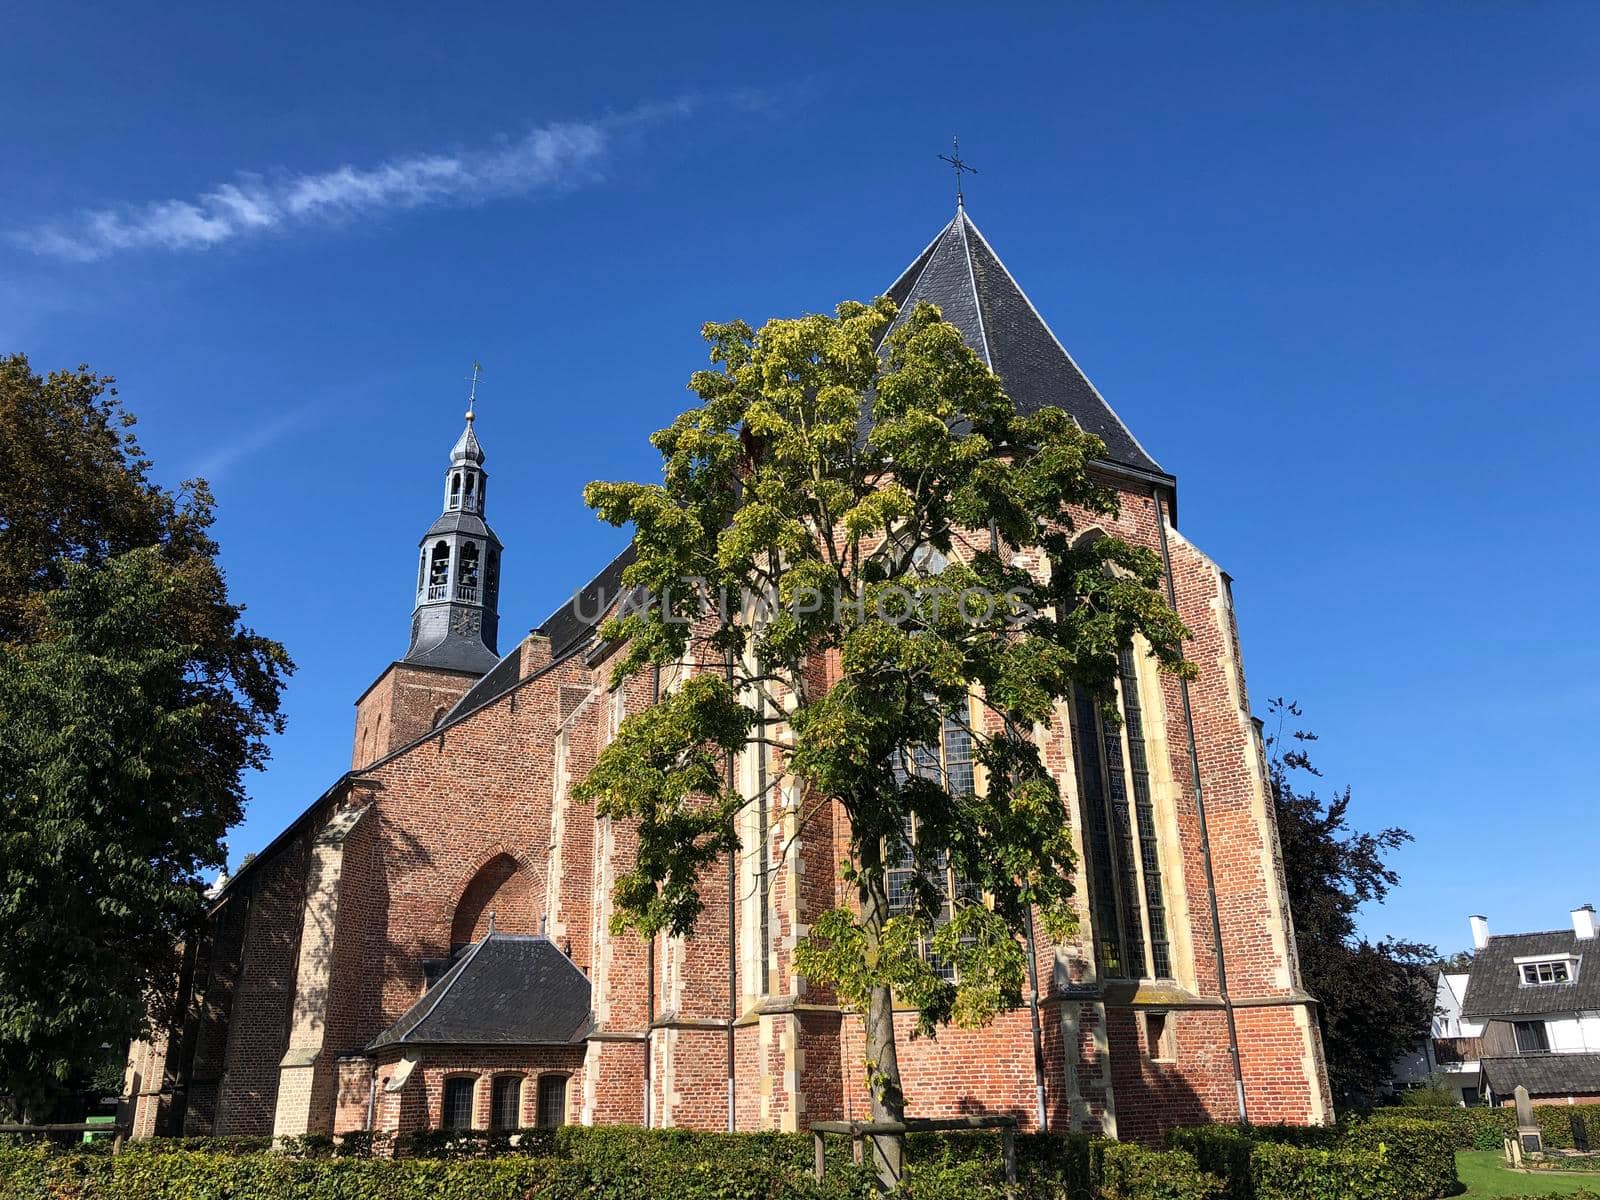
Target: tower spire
472,396
453,621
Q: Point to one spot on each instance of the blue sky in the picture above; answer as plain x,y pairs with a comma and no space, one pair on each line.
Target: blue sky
1334,265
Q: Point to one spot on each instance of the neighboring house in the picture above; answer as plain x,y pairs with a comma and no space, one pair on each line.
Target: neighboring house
1451,1053
1538,997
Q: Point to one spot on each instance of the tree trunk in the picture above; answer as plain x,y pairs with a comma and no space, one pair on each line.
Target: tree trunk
882,1063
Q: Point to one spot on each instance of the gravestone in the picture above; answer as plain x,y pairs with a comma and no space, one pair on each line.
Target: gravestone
1580,1132
1528,1134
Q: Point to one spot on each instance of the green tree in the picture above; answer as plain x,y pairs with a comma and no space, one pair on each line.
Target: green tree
840,556
132,698
1377,998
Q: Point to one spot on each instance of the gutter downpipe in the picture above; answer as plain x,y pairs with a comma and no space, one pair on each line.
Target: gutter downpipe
1205,836
733,931
1033,959
650,975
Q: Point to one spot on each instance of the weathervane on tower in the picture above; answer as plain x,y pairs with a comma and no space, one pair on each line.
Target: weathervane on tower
955,160
472,396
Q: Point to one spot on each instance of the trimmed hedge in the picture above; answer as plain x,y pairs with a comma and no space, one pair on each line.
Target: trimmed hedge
619,1164
1130,1172
1279,1172
192,1175
1422,1153
1389,1159
1487,1128
1394,1160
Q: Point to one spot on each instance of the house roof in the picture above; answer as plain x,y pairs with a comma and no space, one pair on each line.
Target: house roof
960,272
1543,1074
1495,987
504,991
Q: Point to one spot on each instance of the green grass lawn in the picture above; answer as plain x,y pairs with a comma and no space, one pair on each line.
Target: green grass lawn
1485,1174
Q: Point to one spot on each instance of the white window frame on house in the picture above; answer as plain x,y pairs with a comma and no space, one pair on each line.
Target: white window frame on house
1545,970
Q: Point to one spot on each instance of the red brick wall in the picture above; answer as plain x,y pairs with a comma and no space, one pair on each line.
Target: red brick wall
469,819
401,705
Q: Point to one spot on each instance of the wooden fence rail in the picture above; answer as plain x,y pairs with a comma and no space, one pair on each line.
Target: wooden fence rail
857,1131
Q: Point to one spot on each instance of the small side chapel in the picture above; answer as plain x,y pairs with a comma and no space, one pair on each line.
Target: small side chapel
428,944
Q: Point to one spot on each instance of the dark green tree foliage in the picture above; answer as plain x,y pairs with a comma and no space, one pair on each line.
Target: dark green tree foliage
770,490
132,698
1377,997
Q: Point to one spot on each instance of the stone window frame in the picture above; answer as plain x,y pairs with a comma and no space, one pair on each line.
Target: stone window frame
538,1097
1160,1041
496,1078
1125,861
475,1078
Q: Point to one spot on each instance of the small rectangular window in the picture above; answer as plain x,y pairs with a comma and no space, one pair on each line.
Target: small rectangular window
1555,971
552,1101
506,1110
1159,1043
458,1093
1531,1037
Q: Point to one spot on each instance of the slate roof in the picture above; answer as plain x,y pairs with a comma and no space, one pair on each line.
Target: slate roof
504,676
461,522
1543,1074
467,655
961,273
1495,987
574,620
504,991
466,448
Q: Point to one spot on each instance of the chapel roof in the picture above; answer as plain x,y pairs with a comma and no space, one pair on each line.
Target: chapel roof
505,990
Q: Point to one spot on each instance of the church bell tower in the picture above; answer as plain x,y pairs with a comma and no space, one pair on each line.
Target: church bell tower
454,623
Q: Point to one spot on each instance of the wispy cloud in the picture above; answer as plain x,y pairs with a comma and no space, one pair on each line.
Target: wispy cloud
252,441
550,157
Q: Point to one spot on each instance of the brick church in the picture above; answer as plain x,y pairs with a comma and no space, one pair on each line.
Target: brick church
428,944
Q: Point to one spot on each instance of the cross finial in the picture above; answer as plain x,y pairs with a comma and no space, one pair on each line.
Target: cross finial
472,396
959,165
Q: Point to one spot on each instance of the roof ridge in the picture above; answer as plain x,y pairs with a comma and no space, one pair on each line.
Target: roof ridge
438,991
963,221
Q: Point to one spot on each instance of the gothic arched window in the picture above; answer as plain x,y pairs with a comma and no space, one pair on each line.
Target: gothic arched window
949,763
439,571
422,567
1125,889
455,490
467,576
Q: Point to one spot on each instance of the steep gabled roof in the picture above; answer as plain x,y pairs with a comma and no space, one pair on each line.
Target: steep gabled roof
960,272
504,991
1495,987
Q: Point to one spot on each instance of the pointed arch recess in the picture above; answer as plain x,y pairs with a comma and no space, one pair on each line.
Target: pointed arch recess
503,886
